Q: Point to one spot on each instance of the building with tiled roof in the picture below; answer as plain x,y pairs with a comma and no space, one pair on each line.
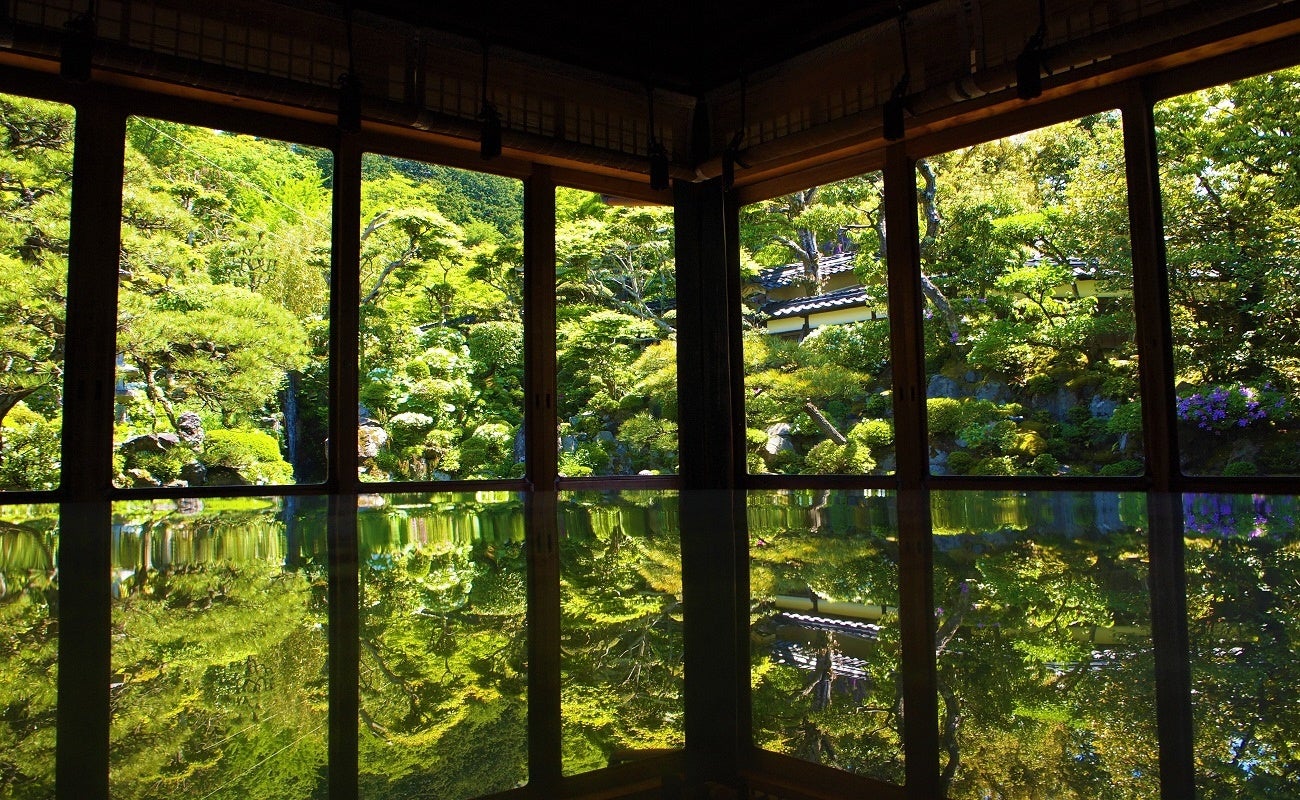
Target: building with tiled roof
790,310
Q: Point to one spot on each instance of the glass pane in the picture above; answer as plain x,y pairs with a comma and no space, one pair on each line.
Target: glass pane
818,394
1045,666
223,334
442,337
824,629
1028,283
1243,575
444,645
616,337
1230,183
219,649
29,650
35,199
621,638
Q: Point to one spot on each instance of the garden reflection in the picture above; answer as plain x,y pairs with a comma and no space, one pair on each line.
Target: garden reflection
621,626
1243,602
29,651
1042,639
443,626
1043,643
824,629
219,685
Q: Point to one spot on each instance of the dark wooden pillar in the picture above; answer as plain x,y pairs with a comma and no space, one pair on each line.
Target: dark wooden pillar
1168,580
344,579
85,648
541,429
541,457
916,552
345,301
714,541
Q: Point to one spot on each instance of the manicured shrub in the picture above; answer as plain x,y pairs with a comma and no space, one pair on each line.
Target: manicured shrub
255,455
873,433
1240,469
1128,466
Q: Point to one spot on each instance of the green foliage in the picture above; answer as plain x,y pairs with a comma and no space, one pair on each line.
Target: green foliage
961,462
488,450
873,433
1240,468
1126,419
253,454
653,442
828,458
1128,466
857,346
30,452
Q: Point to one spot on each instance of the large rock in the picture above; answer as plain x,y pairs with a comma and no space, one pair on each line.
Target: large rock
939,463
227,476
778,439
190,428
370,440
140,478
151,443
994,391
943,386
1057,403
194,474
1102,408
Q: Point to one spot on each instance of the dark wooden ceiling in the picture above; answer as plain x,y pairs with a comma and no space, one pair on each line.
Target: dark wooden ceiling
691,46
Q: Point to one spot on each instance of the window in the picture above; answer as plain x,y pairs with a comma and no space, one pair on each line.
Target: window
1028,283
35,192
223,333
1228,180
818,393
616,344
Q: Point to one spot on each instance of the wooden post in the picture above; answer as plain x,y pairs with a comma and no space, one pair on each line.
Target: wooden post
344,646
84,560
345,302
541,459
713,534
342,478
1160,440
541,429
916,551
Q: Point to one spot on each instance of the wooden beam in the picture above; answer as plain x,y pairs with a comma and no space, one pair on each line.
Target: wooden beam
916,549
344,597
545,717
1150,293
